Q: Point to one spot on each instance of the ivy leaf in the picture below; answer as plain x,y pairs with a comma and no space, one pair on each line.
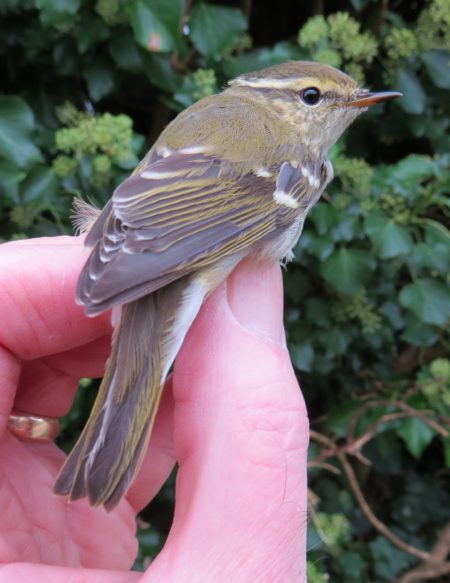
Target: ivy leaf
335,340
416,434
125,53
89,32
318,311
55,12
436,233
347,228
302,356
414,97
339,417
388,238
215,28
149,30
393,314
417,332
413,168
65,56
160,73
428,299
320,247
99,79
10,177
40,183
431,256
437,64
347,270
324,217
388,560
16,127
353,565
170,14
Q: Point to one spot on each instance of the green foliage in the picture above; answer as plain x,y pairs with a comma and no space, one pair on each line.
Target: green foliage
367,297
314,575
101,146
214,29
338,41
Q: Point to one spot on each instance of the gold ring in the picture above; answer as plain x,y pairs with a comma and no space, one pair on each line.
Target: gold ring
33,427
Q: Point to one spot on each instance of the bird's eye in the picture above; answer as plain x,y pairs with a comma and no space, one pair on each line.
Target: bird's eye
311,96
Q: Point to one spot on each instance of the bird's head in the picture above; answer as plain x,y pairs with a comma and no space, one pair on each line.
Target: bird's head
320,101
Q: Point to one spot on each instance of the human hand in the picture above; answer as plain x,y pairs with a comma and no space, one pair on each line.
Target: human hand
232,416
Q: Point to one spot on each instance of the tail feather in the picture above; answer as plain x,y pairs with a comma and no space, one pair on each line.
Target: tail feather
110,449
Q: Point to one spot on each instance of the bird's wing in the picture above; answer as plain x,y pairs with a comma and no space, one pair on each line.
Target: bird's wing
181,212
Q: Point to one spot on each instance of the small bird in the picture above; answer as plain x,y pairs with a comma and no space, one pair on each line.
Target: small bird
232,176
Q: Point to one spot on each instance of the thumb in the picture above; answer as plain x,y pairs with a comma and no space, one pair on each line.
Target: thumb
241,435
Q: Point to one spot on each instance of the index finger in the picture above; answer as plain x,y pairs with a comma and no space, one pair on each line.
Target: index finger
37,298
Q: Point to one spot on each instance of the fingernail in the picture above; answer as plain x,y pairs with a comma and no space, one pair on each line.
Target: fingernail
255,296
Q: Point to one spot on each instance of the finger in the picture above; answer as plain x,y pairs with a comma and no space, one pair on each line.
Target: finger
37,308
26,572
38,526
47,385
241,436
9,377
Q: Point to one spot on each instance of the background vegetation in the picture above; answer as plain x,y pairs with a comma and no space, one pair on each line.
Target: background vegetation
87,87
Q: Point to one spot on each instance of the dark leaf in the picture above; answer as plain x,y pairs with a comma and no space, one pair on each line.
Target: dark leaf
388,238
416,434
99,79
10,177
39,185
437,64
16,127
414,97
347,270
215,28
418,333
302,356
428,299
57,12
153,24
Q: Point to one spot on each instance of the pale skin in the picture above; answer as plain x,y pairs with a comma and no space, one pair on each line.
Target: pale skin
232,415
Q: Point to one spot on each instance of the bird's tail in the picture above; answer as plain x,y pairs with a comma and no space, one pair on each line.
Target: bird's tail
110,449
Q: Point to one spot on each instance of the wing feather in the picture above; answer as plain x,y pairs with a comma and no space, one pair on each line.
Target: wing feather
180,213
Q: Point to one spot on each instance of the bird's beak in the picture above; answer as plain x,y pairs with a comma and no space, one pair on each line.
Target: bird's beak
365,98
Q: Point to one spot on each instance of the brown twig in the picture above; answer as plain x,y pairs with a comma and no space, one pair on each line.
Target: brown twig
324,466
413,357
433,563
421,414
353,446
321,438
436,565
362,502
441,548
425,573
380,526
186,11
